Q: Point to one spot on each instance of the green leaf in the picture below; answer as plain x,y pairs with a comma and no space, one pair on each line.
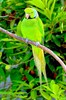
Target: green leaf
50,65
53,96
58,54
48,37
65,37
27,56
33,94
2,74
52,6
12,24
7,67
32,64
19,4
6,39
37,3
1,62
29,77
8,11
60,92
56,41
47,88
47,13
0,54
1,1
51,83
61,27
45,95
49,3
15,75
54,87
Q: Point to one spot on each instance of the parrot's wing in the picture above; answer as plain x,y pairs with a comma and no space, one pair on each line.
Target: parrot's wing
41,28
19,33
30,30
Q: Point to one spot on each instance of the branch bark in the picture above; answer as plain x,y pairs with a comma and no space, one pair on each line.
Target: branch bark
35,43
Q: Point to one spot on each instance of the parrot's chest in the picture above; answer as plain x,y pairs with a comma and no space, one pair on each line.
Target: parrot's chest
29,24
29,29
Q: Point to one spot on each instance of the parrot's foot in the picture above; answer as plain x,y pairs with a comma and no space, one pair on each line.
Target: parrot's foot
15,34
26,40
37,43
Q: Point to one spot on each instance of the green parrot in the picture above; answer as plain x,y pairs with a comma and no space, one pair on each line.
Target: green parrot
31,27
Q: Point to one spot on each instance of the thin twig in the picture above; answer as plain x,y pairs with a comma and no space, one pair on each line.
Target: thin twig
4,16
35,43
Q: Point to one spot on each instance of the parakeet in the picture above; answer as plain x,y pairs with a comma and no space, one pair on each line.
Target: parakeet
31,27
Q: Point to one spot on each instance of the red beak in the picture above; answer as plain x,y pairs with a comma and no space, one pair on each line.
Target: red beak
27,16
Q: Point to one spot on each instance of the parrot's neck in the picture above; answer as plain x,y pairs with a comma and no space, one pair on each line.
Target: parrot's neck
36,15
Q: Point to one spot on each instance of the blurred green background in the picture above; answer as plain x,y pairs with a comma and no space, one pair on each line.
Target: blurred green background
18,74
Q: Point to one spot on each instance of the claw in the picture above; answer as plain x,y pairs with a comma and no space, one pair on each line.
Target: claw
37,43
26,40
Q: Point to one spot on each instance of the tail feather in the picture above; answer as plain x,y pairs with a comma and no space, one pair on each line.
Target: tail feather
39,62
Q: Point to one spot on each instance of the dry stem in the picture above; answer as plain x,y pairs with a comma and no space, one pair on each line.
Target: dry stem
35,43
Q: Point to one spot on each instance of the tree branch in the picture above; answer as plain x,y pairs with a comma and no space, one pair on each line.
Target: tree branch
4,16
35,43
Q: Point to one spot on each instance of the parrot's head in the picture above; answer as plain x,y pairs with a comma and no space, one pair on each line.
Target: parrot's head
30,13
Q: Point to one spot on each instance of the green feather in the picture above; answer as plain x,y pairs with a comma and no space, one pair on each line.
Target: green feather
33,29
19,33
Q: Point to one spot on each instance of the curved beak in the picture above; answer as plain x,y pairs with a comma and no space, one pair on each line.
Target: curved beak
27,16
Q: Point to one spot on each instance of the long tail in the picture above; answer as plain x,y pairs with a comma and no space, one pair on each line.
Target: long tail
39,62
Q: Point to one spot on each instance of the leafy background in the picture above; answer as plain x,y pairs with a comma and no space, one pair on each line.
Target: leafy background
18,74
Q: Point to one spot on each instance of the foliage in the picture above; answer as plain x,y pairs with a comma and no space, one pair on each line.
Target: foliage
16,58
53,91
